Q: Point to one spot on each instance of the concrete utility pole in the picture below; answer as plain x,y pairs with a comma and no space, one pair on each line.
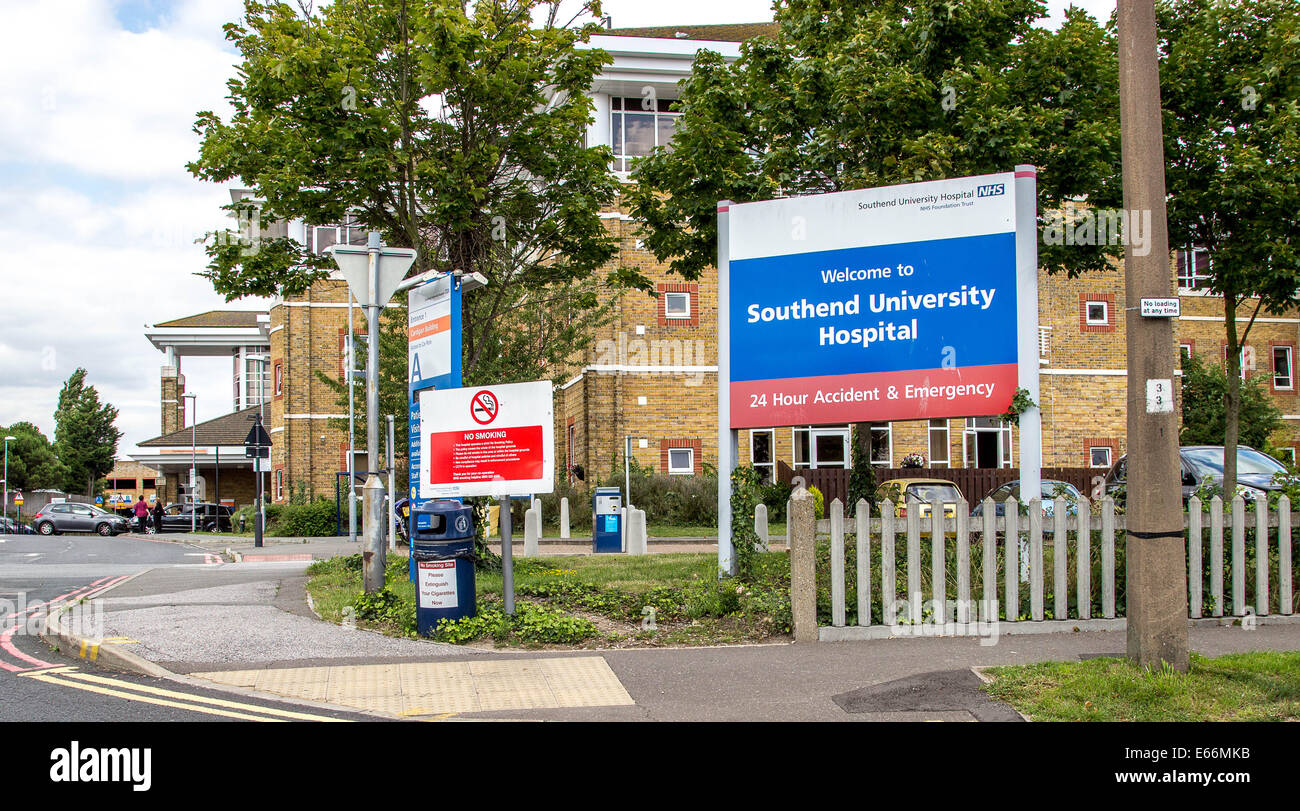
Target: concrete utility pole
1156,554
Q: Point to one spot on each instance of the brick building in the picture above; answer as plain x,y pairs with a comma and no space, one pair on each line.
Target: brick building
649,378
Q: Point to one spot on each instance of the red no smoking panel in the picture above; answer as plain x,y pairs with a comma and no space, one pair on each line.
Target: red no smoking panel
486,455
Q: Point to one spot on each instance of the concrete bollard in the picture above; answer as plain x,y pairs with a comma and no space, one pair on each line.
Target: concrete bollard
760,526
532,531
636,540
801,526
564,517
537,505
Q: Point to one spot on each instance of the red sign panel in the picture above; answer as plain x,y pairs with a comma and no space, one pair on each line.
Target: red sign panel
490,454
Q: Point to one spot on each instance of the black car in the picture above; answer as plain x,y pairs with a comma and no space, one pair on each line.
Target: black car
1203,465
202,517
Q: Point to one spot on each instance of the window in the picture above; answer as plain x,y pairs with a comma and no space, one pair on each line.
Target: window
638,125
1282,375
148,484
882,444
1184,352
279,378
1097,313
938,443
1099,456
1193,268
828,446
279,484
1288,456
677,305
681,461
762,456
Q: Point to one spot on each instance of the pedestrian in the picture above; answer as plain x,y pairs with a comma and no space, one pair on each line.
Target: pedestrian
141,510
157,514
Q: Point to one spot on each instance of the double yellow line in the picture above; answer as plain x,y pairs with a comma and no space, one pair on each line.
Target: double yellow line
68,676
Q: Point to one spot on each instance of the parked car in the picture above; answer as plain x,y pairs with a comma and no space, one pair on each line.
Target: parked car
10,526
1050,489
1203,465
68,516
901,491
203,517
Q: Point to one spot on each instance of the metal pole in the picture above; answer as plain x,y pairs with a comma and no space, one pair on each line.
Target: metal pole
1156,559
727,438
194,458
392,487
5,513
373,557
507,556
352,451
260,524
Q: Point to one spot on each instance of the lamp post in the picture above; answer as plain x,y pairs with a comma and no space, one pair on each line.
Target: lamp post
194,455
259,523
8,439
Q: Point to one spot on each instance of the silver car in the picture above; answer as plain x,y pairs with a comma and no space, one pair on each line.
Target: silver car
67,516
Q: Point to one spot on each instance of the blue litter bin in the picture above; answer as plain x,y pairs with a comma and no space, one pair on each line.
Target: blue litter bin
442,562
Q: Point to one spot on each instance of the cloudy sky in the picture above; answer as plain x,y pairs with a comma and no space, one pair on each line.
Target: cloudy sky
97,212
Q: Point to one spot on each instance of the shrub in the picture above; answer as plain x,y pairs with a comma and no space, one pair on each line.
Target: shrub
775,495
314,520
819,503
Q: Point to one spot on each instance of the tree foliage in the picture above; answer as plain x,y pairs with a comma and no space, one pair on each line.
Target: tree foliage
32,463
85,438
859,94
454,128
1230,86
1204,415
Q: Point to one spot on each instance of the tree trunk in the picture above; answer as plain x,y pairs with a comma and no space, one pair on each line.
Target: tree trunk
1231,400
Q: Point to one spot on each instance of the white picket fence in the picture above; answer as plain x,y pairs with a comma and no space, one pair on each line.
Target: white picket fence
1089,541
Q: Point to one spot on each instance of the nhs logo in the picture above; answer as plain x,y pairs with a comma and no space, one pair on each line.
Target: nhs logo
991,190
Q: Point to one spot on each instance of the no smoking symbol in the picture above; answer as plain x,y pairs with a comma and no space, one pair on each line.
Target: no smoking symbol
483,407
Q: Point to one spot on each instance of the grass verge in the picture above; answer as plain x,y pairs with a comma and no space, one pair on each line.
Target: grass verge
1262,686
671,599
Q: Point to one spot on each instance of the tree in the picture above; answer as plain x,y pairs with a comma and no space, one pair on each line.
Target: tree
85,438
33,464
454,128
1204,407
1230,86
859,94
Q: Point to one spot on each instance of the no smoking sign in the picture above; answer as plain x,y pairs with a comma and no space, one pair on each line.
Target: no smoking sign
483,407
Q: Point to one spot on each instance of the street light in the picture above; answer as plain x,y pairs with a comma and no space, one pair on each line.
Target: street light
194,456
8,439
260,523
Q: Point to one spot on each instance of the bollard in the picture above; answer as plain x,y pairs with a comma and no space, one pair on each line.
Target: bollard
801,528
636,540
760,526
564,517
532,531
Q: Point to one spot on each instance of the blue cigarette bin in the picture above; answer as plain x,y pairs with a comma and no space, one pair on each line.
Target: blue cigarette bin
442,562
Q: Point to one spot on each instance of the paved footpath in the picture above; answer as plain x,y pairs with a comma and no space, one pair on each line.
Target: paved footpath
247,626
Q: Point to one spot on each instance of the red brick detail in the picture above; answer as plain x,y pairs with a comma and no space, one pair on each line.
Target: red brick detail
1109,299
693,289
666,445
1100,442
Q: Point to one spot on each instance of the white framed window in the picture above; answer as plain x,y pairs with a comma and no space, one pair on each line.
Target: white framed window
817,446
762,454
279,484
1288,456
681,461
1193,268
1099,456
939,443
677,305
1184,352
1097,313
638,125
1283,376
